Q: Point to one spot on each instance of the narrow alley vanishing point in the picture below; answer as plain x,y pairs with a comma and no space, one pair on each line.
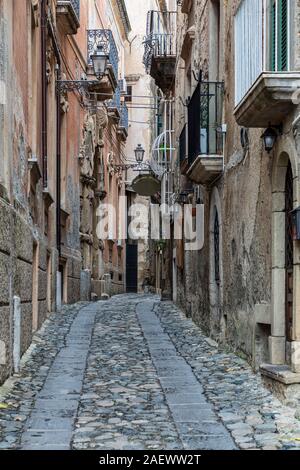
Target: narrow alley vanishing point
135,373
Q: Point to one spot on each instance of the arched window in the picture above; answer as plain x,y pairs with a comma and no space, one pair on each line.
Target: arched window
217,247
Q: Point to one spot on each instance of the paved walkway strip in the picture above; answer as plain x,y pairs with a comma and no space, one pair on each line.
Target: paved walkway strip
197,424
52,420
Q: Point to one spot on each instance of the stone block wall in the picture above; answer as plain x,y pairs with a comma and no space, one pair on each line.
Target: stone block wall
17,238
73,272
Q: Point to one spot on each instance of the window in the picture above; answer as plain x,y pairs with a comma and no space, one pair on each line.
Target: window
279,35
262,41
248,26
128,97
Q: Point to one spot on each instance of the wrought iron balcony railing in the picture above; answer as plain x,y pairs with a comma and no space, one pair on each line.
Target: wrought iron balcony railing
205,109
106,39
124,122
115,102
121,107
74,4
160,41
76,7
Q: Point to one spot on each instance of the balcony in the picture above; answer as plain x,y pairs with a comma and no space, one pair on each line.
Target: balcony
123,123
160,48
205,136
108,85
269,100
114,106
68,15
118,112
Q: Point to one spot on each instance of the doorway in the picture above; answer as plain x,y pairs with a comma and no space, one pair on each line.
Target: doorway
289,259
283,270
217,316
131,268
35,287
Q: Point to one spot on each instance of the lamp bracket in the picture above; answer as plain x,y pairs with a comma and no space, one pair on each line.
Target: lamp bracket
277,127
197,77
65,86
133,166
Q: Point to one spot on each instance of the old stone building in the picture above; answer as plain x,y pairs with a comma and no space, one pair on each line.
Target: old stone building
159,60
140,101
63,130
236,119
103,150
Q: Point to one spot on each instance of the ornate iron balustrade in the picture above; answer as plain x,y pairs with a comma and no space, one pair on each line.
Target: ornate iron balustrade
124,121
160,38
74,4
76,7
205,136
115,102
106,39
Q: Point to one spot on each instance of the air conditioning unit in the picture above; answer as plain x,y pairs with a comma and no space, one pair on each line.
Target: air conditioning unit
123,86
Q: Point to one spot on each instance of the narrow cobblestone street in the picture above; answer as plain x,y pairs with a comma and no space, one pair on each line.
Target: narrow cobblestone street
135,373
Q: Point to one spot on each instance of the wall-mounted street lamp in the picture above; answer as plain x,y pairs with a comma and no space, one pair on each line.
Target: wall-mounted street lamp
100,60
139,154
139,166
270,136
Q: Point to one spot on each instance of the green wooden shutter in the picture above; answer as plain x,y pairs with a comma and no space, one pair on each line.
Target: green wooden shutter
273,37
282,35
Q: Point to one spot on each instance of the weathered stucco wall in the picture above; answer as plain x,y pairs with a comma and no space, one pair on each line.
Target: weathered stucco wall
245,192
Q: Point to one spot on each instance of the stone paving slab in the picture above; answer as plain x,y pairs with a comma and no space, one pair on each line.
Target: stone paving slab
177,372
19,392
51,429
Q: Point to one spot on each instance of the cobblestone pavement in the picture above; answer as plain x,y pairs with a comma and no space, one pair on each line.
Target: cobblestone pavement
135,373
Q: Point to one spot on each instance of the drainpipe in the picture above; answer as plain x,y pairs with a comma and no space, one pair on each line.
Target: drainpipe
58,169
44,91
58,140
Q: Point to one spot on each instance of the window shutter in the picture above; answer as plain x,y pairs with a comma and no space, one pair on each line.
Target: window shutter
273,37
248,26
282,35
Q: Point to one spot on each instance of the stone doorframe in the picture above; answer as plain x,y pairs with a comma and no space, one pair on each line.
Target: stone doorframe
217,320
277,341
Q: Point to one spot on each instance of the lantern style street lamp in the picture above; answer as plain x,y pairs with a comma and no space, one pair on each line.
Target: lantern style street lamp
99,59
139,154
270,136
